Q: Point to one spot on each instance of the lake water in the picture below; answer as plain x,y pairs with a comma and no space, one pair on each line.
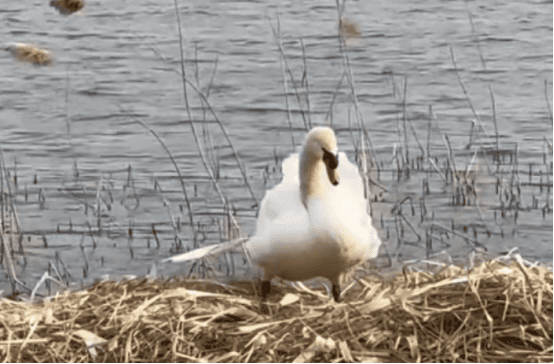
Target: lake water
72,124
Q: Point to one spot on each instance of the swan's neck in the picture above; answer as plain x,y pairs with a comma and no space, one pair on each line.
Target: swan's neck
312,181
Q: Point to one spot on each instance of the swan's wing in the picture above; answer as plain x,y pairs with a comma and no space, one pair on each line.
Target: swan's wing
345,213
282,202
290,169
351,184
282,225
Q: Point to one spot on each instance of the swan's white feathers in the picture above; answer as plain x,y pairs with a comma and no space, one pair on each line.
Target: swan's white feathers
327,236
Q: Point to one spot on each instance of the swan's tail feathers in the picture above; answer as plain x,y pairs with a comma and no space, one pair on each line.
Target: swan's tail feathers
204,251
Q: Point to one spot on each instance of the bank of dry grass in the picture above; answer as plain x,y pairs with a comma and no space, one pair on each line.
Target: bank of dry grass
496,312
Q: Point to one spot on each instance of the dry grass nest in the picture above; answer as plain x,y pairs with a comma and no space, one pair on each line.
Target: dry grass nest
30,53
499,311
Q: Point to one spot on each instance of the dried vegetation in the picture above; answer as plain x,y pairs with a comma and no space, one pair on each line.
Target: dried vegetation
499,311
31,53
67,6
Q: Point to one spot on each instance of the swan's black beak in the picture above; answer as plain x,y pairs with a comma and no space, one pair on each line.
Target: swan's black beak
331,163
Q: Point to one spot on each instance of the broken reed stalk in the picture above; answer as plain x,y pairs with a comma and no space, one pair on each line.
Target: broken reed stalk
287,104
306,84
196,68
547,100
450,156
204,98
429,132
354,144
12,214
401,142
472,162
211,151
7,250
465,93
210,82
222,127
277,37
376,164
350,77
464,237
405,140
329,115
284,58
365,172
173,221
475,37
177,169
68,123
130,183
494,119
409,122
98,214
67,119
191,121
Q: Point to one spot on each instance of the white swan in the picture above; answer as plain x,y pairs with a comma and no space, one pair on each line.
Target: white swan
312,224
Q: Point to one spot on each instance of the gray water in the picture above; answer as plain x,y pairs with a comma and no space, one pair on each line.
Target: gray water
121,58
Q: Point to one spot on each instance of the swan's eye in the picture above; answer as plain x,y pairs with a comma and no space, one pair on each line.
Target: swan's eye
330,159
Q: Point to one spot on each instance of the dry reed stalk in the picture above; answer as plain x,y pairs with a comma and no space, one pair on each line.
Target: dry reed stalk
212,152
306,83
475,37
350,77
494,118
222,127
31,53
405,116
277,36
429,132
466,94
177,169
283,74
405,139
204,99
499,311
547,100
191,122
11,226
329,115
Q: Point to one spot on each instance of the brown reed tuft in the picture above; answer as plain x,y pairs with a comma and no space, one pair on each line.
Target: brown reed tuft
498,311
67,6
349,28
31,53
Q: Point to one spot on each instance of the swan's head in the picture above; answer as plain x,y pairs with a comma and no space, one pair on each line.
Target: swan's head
321,145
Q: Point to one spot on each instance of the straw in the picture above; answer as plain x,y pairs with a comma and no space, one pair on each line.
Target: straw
499,311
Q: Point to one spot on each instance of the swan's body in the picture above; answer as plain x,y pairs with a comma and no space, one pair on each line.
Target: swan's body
312,224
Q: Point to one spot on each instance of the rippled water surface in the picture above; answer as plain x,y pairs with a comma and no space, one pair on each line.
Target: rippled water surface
73,124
